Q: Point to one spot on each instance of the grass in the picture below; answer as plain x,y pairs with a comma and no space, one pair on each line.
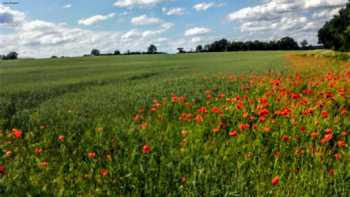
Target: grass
218,124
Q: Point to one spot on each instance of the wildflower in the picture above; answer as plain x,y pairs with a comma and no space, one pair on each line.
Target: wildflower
233,133
38,151
215,109
344,133
104,172
8,153
144,125
244,126
17,133
2,169
60,138
263,112
216,130
199,118
285,138
324,114
91,154
337,156
202,110
329,131
146,149
295,95
275,181
314,135
341,144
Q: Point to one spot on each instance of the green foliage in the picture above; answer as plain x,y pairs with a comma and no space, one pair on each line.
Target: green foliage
334,34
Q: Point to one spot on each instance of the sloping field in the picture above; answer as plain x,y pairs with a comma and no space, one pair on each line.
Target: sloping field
219,124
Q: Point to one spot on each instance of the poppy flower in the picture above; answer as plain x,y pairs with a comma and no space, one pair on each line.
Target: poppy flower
146,149
285,138
244,126
38,151
202,110
2,169
104,172
263,112
341,144
61,138
324,114
337,156
233,133
17,133
275,180
216,130
91,154
199,119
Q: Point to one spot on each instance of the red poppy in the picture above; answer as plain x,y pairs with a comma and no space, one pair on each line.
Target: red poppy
341,144
104,172
275,181
263,112
233,133
17,133
202,110
38,151
91,154
295,95
215,109
337,156
324,114
285,138
244,126
146,149
2,169
60,138
199,118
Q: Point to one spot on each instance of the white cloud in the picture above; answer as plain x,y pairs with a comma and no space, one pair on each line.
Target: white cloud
173,11
131,3
205,5
95,19
145,20
67,6
300,19
37,38
197,31
10,17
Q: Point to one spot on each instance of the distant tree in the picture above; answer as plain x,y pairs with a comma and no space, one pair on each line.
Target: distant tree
116,52
199,48
10,56
181,50
335,34
152,49
54,57
288,43
304,44
95,52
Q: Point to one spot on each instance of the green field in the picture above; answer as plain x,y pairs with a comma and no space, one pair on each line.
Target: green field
208,124
110,89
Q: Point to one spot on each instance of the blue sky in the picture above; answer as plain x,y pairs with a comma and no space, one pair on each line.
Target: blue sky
42,28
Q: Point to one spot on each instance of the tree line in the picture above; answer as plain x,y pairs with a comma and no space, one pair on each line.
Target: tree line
286,43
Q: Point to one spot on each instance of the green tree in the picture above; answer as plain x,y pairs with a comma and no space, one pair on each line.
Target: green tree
335,33
152,49
95,52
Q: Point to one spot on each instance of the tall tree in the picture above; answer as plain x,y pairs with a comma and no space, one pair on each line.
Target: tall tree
95,52
152,49
334,34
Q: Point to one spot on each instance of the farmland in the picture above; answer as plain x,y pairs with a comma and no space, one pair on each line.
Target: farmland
209,124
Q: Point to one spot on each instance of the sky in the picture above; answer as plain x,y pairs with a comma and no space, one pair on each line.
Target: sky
42,28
